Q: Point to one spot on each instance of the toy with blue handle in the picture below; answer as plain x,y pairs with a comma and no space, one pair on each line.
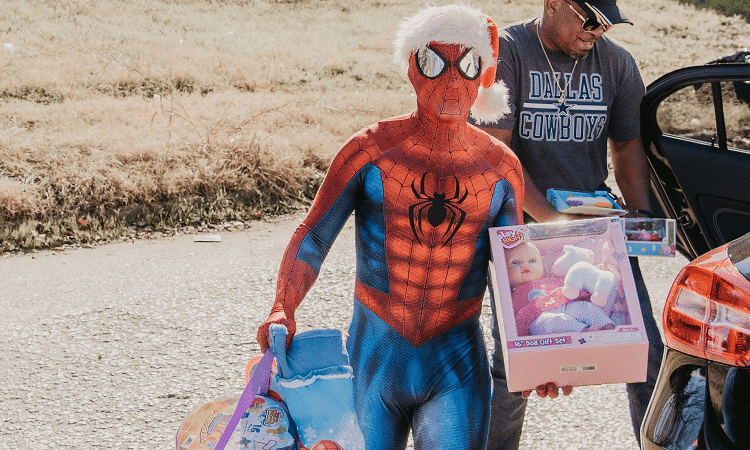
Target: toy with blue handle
315,380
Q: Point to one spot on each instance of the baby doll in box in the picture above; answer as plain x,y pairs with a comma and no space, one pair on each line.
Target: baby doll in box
576,297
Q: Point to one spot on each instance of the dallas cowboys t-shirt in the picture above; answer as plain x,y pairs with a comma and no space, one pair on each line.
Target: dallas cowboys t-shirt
565,145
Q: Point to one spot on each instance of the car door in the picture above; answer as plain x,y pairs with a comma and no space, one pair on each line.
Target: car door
695,126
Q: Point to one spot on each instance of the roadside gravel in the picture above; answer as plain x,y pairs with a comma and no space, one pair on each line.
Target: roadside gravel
111,347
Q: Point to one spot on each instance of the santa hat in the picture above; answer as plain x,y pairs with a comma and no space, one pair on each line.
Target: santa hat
468,27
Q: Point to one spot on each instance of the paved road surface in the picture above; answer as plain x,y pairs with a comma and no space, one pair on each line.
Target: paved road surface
110,347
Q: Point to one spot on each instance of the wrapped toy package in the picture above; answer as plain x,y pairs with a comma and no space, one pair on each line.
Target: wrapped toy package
301,400
315,380
597,203
255,419
567,305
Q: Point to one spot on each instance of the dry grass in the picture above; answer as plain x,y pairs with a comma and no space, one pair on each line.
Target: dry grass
690,113
168,113
726,7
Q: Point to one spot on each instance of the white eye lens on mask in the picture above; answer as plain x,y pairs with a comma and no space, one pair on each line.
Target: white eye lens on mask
469,64
432,64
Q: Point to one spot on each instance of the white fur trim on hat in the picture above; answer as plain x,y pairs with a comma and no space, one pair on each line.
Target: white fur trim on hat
491,104
457,24
450,24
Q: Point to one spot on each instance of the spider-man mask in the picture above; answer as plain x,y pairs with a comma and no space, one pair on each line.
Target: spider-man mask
446,80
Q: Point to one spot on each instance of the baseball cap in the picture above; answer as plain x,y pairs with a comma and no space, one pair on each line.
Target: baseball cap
604,11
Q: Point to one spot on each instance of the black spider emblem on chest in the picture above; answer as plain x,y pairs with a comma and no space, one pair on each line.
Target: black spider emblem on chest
436,209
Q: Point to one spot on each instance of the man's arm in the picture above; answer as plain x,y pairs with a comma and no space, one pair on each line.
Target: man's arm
541,206
631,173
535,202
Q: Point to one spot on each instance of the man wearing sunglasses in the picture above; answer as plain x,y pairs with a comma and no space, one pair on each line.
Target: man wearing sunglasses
573,90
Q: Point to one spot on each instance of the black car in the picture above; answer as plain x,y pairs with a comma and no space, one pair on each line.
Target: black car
696,132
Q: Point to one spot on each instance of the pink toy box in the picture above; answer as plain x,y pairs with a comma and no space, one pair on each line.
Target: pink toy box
572,318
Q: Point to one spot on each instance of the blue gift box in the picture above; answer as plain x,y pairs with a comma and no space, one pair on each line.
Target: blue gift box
597,203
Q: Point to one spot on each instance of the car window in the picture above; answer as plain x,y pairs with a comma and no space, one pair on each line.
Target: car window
691,113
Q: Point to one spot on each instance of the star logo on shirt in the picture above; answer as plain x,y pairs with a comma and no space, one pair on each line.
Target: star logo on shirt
562,108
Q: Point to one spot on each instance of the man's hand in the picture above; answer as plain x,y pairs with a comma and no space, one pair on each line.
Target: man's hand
281,318
638,214
549,390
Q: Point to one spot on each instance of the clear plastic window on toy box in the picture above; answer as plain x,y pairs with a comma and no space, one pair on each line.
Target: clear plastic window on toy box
564,277
649,237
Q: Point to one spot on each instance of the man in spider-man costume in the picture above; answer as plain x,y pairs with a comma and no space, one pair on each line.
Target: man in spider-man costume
424,187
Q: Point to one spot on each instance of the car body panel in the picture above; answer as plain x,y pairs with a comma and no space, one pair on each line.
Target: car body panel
695,127
698,404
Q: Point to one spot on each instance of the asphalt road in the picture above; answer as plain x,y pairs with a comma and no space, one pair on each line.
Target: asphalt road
111,347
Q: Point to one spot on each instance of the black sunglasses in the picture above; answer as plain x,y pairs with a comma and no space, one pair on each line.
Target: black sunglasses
588,24
431,64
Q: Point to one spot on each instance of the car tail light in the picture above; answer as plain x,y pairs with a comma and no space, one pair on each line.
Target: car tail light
707,313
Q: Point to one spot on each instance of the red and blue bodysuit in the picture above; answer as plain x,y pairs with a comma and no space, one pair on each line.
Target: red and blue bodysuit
424,188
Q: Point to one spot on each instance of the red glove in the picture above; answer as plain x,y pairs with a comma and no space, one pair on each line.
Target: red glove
281,318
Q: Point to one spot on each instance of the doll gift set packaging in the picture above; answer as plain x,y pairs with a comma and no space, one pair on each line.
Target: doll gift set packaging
567,305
